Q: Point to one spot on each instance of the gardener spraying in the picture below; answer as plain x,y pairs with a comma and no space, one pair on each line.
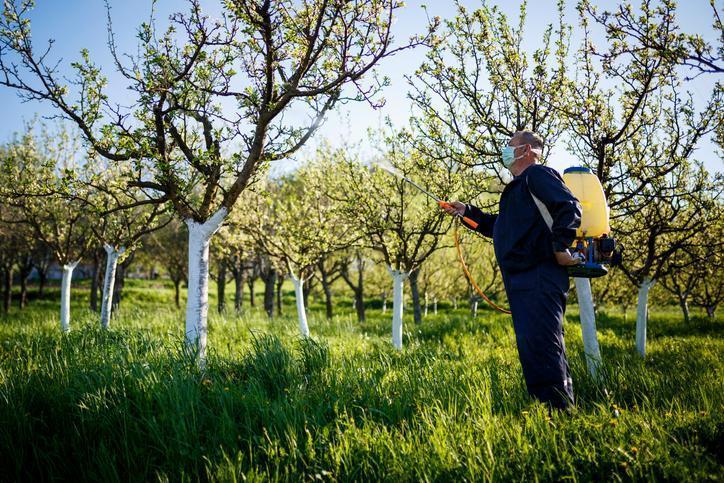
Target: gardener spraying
533,260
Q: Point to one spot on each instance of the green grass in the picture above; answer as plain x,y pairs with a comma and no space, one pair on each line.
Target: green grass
128,405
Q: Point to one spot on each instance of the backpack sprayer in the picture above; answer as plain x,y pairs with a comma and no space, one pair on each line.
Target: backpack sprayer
592,245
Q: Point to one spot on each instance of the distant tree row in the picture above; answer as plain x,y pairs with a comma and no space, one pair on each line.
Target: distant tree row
177,151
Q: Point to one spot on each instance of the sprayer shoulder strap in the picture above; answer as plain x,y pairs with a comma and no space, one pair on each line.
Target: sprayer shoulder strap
542,208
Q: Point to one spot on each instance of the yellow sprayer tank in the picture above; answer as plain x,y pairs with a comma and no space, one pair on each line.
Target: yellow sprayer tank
587,188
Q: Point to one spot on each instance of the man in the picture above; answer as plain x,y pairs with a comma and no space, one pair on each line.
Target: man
533,259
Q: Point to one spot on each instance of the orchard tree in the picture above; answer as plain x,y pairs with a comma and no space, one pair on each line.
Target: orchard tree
403,226
690,50
696,273
681,279
604,112
670,212
299,228
236,251
40,180
478,86
168,247
265,58
377,279
612,89
353,266
18,250
329,269
709,293
12,241
629,121
42,257
348,253
124,218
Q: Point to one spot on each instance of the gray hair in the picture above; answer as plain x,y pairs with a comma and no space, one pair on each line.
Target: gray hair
529,137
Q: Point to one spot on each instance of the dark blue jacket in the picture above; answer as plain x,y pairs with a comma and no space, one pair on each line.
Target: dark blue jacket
520,235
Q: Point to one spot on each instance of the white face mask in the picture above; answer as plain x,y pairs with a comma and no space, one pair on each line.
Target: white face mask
508,154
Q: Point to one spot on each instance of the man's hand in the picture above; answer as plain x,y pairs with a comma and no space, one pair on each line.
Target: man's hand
566,259
454,208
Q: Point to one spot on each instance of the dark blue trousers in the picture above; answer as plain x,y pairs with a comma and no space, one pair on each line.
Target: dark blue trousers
538,301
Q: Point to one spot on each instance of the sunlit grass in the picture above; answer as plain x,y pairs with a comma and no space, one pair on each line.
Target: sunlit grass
128,405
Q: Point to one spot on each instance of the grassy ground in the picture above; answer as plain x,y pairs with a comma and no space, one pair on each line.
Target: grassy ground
127,404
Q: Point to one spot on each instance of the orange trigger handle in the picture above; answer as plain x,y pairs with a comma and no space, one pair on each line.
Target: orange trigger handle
468,221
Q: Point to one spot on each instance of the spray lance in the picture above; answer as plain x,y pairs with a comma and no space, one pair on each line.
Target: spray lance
444,204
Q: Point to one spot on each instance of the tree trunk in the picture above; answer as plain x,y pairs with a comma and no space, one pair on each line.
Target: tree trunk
120,281
475,308
359,294
238,290
326,286
398,279
23,292
359,305
93,300
42,280
310,284
109,281
642,309
710,311
299,298
221,288
2,283
197,305
416,309
683,303
426,303
250,283
434,305
269,283
384,301
7,289
26,266
65,295
279,296
588,326
177,294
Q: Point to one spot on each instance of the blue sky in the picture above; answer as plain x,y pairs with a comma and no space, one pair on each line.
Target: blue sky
76,24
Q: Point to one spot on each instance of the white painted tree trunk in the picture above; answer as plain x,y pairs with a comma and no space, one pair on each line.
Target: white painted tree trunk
398,279
301,311
642,309
197,305
475,308
426,303
65,295
588,326
384,302
434,306
109,280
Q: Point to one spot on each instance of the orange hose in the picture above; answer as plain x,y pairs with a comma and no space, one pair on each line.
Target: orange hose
470,277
